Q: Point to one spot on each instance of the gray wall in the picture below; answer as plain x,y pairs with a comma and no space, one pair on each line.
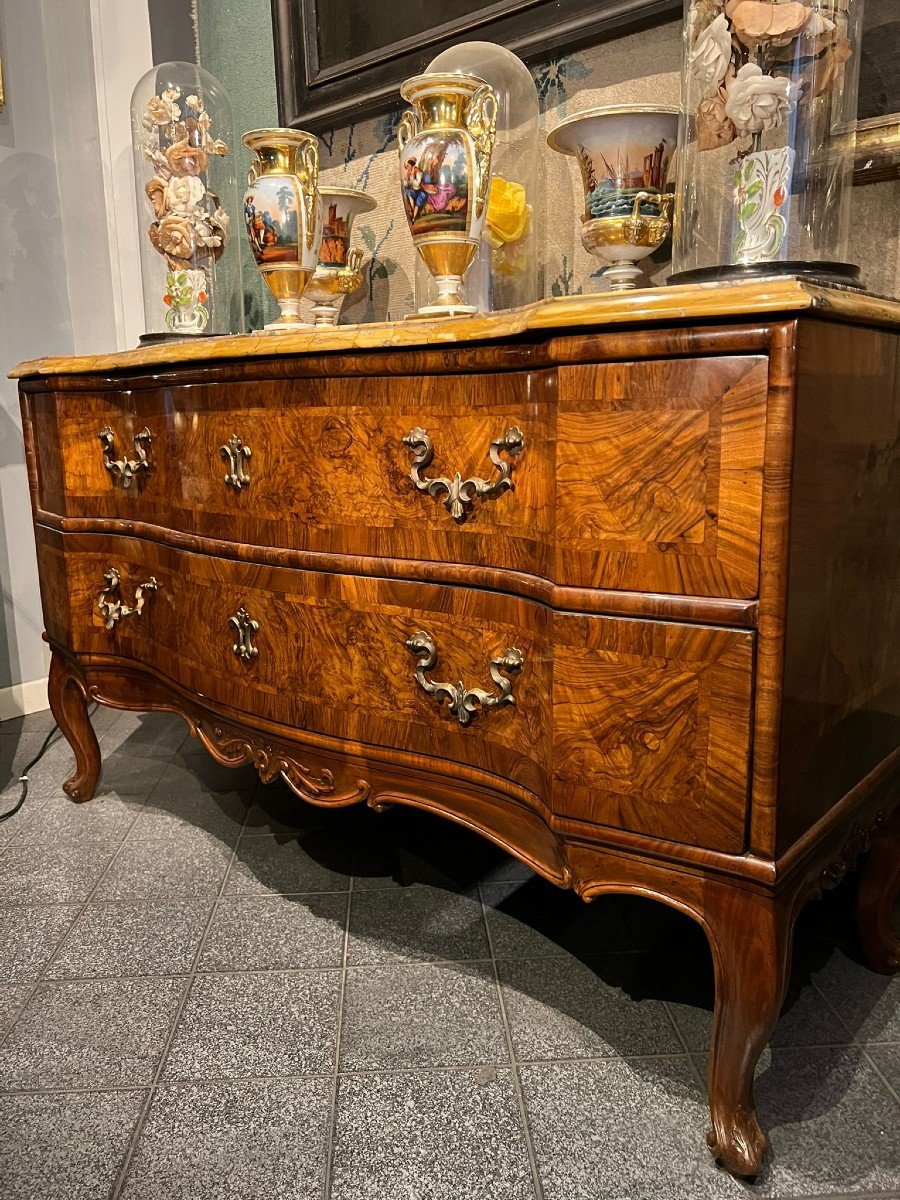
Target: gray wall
34,313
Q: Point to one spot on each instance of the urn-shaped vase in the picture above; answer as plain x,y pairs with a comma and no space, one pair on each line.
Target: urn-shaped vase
446,141
338,274
624,153
283,214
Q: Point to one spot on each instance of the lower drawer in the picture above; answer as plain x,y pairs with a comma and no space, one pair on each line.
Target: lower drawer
642,725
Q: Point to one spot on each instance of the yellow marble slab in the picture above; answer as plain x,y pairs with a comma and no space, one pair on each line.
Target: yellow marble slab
595,312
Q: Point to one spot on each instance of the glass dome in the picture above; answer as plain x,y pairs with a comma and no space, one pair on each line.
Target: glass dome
765,154
505,271
184,170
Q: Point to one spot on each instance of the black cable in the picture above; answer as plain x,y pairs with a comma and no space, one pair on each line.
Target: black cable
23,778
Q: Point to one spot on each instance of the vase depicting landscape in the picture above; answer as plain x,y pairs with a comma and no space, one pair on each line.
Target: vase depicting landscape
337,274
283,214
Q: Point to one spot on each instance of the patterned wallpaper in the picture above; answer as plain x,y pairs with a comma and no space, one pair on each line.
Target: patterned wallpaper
236,45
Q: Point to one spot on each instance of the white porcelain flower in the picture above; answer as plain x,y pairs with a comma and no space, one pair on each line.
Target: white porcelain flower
711,54
220,219
817,25
701,14
757,101
184,194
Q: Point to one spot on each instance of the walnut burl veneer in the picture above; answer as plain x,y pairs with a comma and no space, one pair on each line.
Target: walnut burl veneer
623,599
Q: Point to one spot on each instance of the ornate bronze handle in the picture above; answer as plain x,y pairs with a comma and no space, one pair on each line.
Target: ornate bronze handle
246,629
126,469
465,703
235,454
112,606
462,493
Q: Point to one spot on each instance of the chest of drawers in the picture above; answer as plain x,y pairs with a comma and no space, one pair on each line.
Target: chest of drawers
614,582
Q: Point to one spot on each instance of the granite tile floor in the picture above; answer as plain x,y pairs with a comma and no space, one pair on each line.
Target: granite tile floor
210,991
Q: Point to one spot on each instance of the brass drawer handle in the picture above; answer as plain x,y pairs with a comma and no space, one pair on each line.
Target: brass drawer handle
112,607
246,628
126,469
465,703
235,454
462,493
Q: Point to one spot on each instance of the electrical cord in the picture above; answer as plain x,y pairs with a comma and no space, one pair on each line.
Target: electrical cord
23,778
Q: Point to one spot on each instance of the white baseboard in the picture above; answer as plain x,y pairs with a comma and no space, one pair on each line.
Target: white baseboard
23,698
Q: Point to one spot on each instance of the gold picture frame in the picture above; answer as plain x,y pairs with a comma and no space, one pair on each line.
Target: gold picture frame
877,155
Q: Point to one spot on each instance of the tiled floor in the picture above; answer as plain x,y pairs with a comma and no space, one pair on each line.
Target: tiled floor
209,991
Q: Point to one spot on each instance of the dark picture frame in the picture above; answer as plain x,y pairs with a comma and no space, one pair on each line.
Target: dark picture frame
878,130
321,96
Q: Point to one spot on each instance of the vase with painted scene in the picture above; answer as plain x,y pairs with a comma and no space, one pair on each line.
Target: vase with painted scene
625,157
338,273
283,215
446,141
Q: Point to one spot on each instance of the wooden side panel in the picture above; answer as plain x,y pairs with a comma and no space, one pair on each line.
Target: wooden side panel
652,728
41,428
659,475
841,702
328,469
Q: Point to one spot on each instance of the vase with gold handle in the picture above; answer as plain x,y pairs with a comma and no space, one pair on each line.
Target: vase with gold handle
625,156
283,214
446,141
338,273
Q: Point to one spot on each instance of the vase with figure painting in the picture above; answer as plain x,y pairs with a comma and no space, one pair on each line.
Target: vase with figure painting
283,215
446,141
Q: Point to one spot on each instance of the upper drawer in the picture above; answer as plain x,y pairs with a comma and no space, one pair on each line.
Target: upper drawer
660,475
640,476
328,468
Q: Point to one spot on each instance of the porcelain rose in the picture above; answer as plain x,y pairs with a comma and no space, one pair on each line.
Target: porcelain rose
156,194
701,15
711,55
184,193
758,21
174,237
185,159
757,101
714,128
162,110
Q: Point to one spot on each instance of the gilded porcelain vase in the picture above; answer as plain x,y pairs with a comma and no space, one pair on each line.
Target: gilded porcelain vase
446,141
625,157
283,214
338,271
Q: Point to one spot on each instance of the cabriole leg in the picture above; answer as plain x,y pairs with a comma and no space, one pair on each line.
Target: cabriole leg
68,703
879,886
750,937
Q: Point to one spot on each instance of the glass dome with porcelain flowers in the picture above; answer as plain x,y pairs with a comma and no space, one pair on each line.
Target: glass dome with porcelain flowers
184,168
765,158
